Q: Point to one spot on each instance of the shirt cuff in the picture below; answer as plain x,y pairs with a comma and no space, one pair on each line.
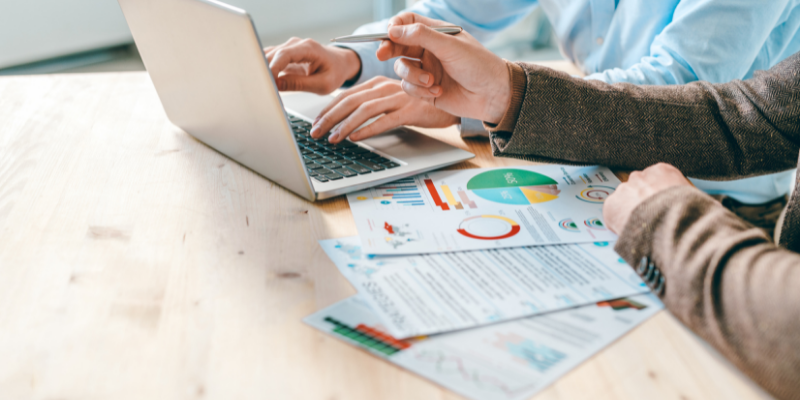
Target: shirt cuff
472,128
518,81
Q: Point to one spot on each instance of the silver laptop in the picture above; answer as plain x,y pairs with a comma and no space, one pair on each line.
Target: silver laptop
209,69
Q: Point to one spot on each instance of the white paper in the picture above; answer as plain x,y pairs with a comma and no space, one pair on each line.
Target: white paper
484,209
427,294
506,361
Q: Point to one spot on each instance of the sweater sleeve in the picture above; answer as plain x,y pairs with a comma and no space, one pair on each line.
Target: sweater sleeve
711,131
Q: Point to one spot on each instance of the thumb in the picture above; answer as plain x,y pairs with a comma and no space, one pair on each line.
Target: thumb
419,35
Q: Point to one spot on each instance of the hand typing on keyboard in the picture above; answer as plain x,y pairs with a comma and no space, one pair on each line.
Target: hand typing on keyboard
327,161
378,96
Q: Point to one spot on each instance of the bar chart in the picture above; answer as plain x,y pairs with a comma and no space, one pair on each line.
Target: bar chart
449,202
403,192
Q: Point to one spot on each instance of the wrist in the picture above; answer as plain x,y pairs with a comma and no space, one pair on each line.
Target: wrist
351,64
501,97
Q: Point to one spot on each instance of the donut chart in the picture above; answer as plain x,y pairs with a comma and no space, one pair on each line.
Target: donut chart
514,187
595,194
488,227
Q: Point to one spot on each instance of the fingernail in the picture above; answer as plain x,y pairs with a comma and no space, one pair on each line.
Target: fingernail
434,90
396,32
424,78
333,136
315,121
314,131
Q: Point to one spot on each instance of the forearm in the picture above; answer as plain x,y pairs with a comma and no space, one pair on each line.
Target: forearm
725,280
728,131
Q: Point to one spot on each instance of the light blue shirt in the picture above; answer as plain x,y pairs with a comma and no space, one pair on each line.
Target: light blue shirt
646,42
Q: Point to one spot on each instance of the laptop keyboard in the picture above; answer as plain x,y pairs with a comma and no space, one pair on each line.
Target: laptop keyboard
329,162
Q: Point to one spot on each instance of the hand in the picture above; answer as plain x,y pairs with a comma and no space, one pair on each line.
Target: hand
456,73
640,185
305,65
378,96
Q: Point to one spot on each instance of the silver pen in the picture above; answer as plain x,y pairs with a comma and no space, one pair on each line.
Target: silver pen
377,37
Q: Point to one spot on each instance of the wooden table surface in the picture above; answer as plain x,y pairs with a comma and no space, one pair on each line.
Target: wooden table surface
137,263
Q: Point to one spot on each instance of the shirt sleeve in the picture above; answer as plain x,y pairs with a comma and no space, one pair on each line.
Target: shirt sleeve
710,40
481,18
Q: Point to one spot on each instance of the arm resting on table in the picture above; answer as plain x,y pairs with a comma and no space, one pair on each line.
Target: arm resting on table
725,280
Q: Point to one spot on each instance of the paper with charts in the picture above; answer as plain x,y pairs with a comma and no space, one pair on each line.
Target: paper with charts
484,209
432,293
507,361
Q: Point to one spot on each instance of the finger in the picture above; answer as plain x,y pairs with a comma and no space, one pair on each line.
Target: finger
269,51
388,121
324,122
365,112
318,84
411,71
408,18
421,92
298,53
347,106
421,36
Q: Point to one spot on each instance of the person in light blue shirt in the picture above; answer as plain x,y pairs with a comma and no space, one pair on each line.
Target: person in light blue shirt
642,42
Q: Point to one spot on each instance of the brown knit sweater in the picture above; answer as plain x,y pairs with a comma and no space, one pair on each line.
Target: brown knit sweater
723,278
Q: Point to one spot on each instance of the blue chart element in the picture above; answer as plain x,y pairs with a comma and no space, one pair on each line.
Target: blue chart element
537,356
510,195
386,202
601,244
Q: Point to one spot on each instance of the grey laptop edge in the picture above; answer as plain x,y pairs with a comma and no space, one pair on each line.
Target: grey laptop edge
207,64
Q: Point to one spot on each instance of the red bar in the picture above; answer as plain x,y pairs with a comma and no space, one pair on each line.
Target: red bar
435,195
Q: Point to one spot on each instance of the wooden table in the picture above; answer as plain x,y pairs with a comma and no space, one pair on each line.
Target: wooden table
137,263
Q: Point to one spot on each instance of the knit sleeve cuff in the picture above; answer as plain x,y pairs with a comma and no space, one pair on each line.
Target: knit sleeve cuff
638,237
518,81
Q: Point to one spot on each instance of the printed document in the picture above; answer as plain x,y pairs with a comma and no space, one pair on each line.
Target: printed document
484,209
432,293
508,361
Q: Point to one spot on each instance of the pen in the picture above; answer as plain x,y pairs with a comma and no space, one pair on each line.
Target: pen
376,37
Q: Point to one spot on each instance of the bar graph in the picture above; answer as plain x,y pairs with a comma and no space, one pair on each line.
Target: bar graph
368,337
435,195
464,198
403,192
450,201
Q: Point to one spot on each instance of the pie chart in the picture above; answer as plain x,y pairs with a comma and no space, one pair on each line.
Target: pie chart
514,186
488,227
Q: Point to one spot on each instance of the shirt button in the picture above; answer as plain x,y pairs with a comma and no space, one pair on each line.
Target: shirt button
599,41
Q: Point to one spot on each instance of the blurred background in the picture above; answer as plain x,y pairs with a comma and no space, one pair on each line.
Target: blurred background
57,36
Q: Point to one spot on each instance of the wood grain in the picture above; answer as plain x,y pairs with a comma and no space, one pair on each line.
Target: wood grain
137,263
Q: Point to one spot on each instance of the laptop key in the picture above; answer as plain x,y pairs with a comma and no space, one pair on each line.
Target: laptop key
346,162
371,165
320,178
359,168
333,176
391,164
345,171
312,156
315,166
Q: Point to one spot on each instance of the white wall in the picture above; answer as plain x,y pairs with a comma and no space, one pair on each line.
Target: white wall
33,30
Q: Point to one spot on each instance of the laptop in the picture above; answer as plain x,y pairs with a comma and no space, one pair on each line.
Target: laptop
208,67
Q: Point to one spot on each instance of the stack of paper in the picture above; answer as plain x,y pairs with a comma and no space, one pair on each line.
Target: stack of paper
516,260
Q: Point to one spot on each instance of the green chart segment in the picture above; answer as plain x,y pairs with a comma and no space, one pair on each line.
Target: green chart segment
369,338
514,186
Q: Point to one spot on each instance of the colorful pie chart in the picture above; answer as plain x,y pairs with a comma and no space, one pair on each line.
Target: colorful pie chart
488,227
514,186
